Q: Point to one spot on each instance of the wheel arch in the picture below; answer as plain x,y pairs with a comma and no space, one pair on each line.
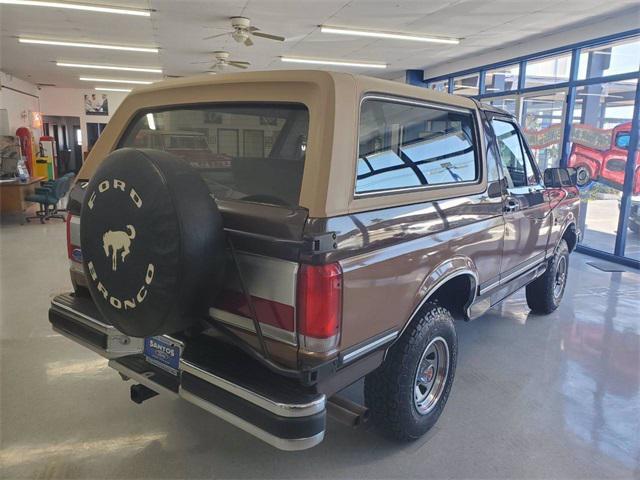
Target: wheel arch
570,235
448,277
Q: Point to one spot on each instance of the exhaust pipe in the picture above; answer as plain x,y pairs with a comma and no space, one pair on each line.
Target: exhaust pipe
347,412
140,393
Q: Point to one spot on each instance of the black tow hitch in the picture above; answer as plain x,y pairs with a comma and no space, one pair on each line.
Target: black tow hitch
140,393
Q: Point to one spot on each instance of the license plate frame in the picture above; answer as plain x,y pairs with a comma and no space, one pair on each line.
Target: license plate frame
163,353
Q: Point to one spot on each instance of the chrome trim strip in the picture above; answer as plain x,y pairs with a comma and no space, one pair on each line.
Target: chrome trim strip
245,323
146,381
349,357
279,443
482,290
530,265
281,409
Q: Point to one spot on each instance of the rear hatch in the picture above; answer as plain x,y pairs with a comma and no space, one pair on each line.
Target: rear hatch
253,167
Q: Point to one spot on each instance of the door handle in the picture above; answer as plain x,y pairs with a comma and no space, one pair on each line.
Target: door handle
511,205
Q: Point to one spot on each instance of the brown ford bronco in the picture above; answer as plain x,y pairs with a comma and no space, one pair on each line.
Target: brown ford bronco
355,220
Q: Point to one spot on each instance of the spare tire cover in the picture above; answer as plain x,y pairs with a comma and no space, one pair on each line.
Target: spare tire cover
152,242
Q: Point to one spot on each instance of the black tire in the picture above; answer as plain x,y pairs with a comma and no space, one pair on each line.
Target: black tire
390,390
634,227
545,293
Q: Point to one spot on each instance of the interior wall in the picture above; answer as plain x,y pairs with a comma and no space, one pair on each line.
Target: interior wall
19,98
69,102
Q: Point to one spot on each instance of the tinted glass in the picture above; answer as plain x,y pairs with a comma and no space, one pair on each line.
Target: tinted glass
511,153
403,146
267,170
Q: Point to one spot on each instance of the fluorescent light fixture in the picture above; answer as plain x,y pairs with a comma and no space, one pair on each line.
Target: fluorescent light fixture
87,45
109,89
78,6
338,63
390,35
117,80
151,121
110,67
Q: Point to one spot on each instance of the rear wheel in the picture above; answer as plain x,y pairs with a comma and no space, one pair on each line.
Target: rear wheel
545,293
408,392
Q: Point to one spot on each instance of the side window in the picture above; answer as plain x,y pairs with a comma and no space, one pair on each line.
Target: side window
532,176
404,146
515,161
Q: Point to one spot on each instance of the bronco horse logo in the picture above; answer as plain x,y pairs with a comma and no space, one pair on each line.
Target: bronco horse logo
113,242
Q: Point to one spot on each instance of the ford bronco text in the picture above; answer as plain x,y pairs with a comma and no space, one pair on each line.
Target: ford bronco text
353,221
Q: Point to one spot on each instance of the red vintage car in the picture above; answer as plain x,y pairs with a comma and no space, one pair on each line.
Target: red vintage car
191,146
606,166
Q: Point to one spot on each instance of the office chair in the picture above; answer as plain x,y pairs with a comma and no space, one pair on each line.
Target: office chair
48,196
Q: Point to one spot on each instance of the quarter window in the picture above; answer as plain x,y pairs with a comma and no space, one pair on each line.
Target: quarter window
404,146
516,163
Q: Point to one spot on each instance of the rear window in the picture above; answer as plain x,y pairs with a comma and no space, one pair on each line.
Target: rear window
406,146
252,152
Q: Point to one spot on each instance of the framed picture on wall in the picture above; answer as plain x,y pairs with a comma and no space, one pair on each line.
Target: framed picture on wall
96,104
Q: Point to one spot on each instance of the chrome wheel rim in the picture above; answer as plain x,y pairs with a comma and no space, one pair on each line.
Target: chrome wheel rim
431,376
561,277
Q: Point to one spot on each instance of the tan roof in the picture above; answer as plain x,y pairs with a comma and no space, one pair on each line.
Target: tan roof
332,98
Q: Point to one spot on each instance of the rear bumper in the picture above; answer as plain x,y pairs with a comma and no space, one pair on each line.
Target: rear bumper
211,375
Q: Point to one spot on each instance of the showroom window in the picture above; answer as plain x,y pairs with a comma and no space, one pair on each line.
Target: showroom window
548,71
581,118
439,86
467,85
609,59
404,146
502,79
600,134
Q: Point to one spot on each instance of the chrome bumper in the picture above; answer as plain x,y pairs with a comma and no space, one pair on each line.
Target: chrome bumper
273,409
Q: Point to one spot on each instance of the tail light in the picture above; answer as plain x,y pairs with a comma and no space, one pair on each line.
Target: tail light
319,306
73,238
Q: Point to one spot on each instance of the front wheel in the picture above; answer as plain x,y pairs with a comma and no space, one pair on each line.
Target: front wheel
583,175
545,293
408,392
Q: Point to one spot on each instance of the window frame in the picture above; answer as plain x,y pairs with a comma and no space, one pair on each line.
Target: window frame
425,104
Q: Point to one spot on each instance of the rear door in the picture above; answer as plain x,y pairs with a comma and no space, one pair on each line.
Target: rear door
525,206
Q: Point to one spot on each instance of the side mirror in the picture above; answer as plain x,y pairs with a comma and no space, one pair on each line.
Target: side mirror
495,189
560,177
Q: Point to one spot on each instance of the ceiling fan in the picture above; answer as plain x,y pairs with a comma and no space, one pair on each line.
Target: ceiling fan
222,61
243,31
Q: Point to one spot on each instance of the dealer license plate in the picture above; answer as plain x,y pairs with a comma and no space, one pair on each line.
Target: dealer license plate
162,353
